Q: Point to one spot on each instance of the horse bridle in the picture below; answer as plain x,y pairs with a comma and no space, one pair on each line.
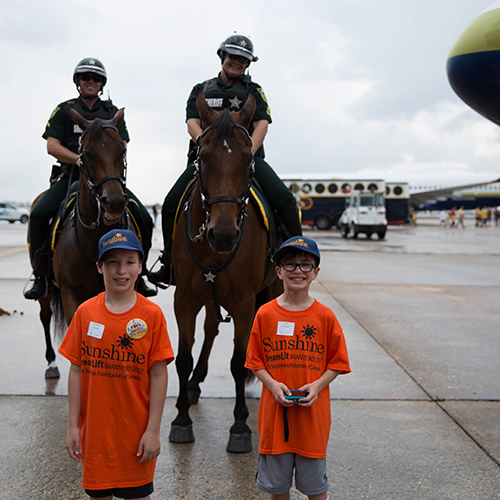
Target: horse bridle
211,273
205,201
93,186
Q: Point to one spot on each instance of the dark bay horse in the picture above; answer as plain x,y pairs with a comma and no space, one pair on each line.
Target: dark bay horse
219,254
99,207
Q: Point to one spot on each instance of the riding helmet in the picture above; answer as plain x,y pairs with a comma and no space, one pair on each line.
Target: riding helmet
239,45
90,65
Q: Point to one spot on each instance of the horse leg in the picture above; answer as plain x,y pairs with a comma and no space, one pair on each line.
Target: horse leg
182,426
52,370
240,435
211,328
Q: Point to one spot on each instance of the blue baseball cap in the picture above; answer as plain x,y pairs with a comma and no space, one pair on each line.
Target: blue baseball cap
119,238
305,244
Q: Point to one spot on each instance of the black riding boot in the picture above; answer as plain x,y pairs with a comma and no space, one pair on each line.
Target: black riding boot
40,259
142,286
164,274
289,216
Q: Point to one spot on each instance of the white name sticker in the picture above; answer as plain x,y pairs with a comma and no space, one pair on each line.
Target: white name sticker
285,328
95,330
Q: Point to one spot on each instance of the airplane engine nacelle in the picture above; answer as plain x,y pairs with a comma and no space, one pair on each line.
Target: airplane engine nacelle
473,64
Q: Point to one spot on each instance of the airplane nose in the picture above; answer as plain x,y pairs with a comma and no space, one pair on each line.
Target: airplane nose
473,65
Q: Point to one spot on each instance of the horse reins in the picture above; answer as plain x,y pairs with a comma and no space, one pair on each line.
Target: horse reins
211,273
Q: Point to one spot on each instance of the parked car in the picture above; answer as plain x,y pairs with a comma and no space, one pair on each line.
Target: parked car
11,212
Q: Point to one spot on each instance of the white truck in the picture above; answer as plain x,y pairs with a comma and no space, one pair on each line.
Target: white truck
364,213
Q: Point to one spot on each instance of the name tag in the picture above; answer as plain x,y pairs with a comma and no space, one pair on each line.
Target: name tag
95,330
285,328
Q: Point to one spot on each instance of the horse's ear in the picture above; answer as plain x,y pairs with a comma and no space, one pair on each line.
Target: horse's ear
207,114
117,120
246,113
80,120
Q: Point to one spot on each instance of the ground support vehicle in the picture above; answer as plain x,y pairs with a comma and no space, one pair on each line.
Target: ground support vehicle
364,213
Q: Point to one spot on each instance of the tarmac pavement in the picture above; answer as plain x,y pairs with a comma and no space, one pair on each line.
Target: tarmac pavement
418,417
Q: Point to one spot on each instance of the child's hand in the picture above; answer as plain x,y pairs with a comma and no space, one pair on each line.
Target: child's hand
73,444
279,390
149,447
313,391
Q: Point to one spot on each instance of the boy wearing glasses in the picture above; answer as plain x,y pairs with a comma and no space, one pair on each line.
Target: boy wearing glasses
63,135
296,344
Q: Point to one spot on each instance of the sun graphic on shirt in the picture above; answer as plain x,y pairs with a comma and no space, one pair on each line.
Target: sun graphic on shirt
309,331
125,342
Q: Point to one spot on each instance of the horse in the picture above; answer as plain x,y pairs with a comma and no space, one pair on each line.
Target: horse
224,265
99,207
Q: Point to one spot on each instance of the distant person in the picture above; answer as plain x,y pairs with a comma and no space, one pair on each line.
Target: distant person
461,217
484,217
155,214
453,216
442,218
229,90
63,136
119,350
295,327
477,216
496,215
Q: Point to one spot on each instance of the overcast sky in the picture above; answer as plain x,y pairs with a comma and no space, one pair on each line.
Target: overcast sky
356,87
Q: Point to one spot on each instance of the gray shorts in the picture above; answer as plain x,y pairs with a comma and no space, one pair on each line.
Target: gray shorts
276,471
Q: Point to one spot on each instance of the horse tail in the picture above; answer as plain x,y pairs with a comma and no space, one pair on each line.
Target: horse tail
58,317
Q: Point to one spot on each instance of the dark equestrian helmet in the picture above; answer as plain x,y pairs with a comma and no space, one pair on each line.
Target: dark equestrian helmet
239,45
90,65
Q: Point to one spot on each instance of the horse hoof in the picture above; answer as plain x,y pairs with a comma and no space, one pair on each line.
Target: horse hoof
181,434
52,371
240,443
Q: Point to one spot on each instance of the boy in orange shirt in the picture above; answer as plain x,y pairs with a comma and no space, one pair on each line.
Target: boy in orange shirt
296,343
119,349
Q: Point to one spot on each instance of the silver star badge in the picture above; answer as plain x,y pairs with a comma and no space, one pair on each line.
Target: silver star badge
210,277
91,62
235,103
243,43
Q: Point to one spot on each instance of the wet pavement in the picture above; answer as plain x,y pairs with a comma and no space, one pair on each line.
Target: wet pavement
418,418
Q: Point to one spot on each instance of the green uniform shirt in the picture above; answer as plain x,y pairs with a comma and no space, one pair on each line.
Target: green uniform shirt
262,111
56,126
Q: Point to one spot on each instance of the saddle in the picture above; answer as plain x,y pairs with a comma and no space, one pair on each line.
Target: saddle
68,209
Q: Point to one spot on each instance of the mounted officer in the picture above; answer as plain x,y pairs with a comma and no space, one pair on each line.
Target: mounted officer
229,90
62,136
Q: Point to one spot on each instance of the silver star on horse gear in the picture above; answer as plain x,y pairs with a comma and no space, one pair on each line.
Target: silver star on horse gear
235,103
210,277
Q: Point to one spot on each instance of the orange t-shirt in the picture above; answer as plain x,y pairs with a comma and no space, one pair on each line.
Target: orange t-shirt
296,348
115,352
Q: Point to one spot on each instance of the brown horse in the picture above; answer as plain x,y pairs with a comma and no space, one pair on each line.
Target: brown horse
99,207
224,264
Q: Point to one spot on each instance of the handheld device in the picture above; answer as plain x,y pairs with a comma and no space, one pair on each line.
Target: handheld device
296,395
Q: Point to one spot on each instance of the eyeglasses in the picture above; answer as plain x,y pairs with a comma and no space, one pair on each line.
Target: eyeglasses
86,77
305,267
241,59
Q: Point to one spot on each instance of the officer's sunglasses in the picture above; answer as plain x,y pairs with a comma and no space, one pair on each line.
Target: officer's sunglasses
305,267
86,77
241,59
